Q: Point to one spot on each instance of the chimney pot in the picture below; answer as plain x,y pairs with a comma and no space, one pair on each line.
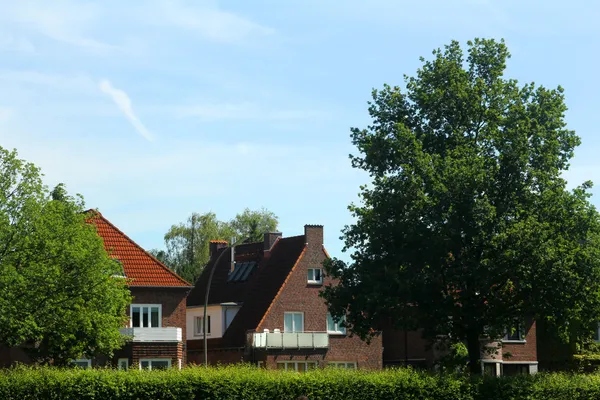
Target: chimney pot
313,234
214,246
270,239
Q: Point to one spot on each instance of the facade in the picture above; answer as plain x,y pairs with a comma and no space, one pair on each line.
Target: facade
514,354
157,313
264,308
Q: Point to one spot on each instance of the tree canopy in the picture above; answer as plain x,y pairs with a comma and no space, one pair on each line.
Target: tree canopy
58,297
188,243
467,226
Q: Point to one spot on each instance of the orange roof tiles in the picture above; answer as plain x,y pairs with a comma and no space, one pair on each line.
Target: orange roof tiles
140,267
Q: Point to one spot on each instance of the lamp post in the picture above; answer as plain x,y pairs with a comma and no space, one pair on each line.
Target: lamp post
210,277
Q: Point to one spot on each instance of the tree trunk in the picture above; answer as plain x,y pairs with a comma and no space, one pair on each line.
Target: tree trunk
474,349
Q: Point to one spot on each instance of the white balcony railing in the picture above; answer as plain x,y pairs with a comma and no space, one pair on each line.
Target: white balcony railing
170,334
290,340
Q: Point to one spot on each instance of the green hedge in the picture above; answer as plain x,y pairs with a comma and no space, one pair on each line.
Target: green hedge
243,382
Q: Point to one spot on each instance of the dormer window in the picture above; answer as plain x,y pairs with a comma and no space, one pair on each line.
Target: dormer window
315,276
121,272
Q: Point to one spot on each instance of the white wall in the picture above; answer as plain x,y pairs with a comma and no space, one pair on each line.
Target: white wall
216,321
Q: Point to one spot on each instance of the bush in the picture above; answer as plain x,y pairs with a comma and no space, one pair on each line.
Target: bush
245,382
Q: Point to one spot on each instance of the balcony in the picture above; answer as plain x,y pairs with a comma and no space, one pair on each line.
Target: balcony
170,334
290,340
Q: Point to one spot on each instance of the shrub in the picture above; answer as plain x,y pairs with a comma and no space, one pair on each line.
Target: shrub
245,382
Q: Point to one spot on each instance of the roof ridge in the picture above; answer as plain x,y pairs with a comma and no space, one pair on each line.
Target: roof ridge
98,214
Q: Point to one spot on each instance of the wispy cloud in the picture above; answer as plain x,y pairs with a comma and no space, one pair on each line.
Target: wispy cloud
64,21
123,102
248,111
211,22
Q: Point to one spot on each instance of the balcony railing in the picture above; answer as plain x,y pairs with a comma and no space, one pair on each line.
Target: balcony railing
170,334
290,340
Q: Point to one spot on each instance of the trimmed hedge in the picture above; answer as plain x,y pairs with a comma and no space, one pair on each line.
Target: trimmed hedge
245,382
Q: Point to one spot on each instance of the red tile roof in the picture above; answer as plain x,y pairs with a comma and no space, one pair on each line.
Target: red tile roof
140,267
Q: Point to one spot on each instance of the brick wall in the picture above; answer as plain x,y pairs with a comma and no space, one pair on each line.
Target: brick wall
173,306
297,295
174,351
523,351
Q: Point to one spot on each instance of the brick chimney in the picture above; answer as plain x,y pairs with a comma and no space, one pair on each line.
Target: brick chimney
313,234
270,238
214,246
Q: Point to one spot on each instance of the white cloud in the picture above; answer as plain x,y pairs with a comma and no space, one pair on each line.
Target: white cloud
123,102
63,21
207,20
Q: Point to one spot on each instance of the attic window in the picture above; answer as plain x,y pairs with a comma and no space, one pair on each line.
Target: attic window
242,271
315,276
121,272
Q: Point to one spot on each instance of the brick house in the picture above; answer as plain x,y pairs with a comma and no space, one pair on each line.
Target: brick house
515,353
265,308
157,313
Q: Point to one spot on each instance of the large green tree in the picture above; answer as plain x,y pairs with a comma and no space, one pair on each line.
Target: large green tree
58,297
467,226
188,243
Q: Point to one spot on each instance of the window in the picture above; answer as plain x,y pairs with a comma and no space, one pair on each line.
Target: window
123,364
335,326
155,363
146,315
315,276
293,322
342,364
82,363
514,334
489,369
597,333
299,366
199,326
515,369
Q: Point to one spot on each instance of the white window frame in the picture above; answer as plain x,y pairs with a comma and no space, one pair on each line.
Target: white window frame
142,306
120,360
199,325
83,360
293,365
151,360
293,322
338,330
314,281
342,364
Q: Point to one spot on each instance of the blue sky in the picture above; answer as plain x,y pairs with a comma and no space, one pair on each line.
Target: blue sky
154,109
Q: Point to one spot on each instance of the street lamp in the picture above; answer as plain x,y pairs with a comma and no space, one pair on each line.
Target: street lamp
212,272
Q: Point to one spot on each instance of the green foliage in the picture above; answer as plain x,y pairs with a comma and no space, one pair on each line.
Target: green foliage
239,382
467,225
248,383
188,243
58,298
455,359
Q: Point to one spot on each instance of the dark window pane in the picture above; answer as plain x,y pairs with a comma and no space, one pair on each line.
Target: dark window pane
135,317
154,317
145,317
160,364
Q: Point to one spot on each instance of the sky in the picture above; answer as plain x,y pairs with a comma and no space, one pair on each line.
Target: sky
156,109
